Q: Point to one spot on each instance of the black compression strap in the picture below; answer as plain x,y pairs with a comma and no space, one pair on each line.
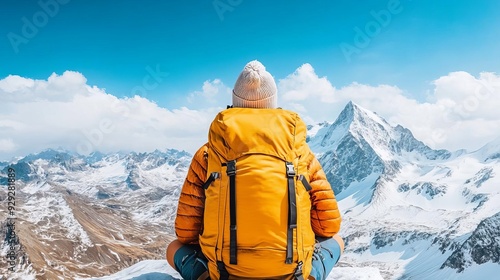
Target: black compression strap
223,274
211,178
231,172
292,211
289,246
305,183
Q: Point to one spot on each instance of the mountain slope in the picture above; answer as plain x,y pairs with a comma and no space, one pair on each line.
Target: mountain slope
481,247
90,216
406,207
409,212
364,138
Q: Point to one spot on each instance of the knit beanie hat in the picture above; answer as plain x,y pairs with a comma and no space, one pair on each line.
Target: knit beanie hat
255,88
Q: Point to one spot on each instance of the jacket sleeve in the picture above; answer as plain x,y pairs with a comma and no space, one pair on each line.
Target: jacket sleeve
325,215
189,219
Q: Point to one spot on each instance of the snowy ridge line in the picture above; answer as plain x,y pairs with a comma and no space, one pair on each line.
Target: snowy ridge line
409,212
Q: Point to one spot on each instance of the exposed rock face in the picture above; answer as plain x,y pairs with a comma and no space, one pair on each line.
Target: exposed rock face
80,216
428,190
409,211
482,246
360,143
400,196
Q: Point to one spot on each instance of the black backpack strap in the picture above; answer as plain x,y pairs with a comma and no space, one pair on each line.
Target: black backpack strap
223,274
231,172
211,178
292,211
305,183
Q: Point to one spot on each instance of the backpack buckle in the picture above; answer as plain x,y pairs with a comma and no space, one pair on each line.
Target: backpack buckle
231,168
290,169
298,272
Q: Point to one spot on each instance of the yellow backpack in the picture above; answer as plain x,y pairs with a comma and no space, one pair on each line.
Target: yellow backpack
257,208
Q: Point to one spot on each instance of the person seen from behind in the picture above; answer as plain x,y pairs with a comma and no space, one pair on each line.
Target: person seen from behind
256,202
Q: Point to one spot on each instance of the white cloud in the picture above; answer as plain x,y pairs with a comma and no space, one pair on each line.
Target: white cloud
304,84
319,100
213,94
63,111
462,111
13,83
7,145
57,88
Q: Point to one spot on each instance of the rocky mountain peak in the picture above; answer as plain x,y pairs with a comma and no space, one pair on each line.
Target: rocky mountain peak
371,132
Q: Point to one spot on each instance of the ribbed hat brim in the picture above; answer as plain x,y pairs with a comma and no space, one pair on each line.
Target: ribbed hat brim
269,102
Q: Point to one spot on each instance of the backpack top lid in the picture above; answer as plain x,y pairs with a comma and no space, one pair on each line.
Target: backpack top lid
236,132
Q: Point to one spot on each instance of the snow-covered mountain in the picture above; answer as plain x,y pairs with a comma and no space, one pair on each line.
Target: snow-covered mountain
409,212
360,143
90,216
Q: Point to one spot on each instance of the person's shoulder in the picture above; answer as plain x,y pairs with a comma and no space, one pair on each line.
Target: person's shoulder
201,155
203,149
289,112
299,121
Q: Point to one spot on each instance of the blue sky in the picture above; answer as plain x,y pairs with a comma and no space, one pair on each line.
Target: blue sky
112,42
73,67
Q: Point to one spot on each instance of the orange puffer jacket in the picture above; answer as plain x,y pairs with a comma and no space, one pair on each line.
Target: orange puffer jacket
325,215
